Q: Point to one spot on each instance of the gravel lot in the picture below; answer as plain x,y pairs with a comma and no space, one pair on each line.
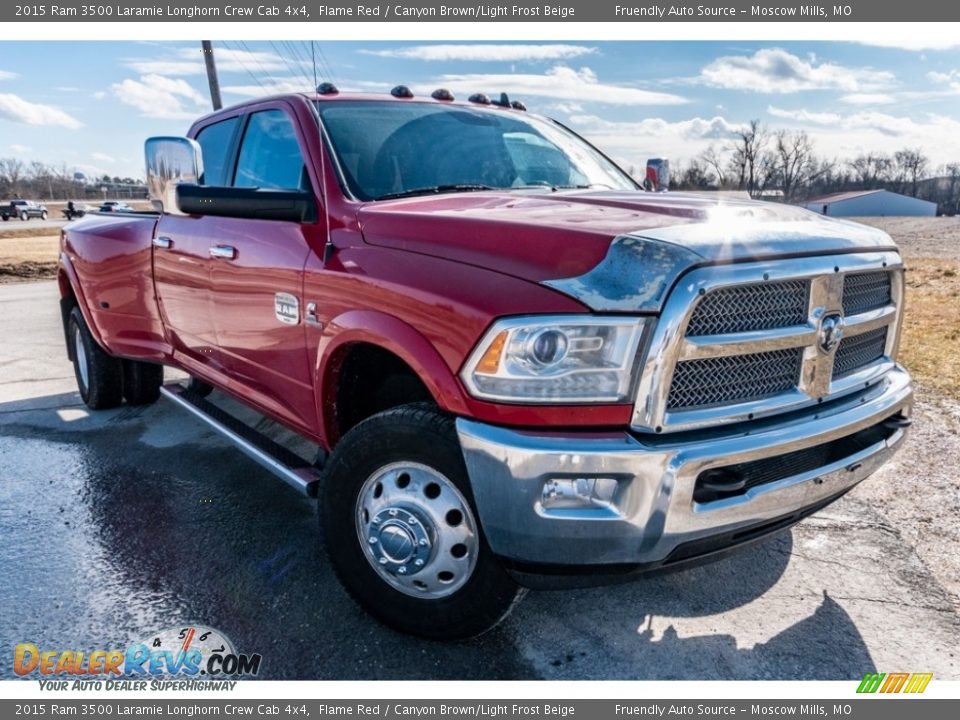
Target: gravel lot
119,523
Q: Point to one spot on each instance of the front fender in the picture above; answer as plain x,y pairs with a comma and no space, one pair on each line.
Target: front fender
394,335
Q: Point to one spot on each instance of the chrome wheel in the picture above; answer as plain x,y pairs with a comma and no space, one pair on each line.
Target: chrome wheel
417,530
79,352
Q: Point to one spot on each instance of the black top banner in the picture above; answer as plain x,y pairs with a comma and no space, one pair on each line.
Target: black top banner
481,11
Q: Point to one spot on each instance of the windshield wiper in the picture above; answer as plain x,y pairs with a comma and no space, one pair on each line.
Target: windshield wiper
435,190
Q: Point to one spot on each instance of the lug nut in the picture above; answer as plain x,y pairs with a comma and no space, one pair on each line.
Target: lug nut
372,541
393,512
402,571
418,562
423,542
383,561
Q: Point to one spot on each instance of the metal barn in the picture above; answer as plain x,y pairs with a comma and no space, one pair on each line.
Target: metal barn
870,203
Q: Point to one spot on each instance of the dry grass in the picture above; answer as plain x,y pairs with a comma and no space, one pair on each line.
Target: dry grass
28,258
25,230
930,346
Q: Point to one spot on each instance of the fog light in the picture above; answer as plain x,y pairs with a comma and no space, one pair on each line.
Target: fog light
571,493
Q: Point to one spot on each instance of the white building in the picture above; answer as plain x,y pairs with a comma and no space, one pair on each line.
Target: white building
870,203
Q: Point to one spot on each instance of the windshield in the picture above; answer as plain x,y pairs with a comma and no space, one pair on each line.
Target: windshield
391,149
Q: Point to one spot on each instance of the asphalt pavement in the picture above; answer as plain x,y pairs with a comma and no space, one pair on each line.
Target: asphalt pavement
120,523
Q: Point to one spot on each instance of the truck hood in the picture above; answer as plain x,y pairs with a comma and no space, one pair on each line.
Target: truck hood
611,250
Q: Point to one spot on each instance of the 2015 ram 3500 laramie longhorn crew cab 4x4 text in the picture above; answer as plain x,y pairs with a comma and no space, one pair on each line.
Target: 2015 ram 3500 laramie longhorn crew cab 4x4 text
521,368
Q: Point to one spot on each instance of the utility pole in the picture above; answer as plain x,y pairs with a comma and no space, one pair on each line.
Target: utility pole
212,74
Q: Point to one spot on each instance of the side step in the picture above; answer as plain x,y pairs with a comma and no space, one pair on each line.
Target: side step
286,465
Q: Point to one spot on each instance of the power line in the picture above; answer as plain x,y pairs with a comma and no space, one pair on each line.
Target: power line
243,65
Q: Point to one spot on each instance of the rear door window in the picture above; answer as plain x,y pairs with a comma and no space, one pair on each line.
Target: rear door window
215,142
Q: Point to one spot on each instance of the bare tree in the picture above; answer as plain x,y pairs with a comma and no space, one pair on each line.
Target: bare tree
11,176
715,158
747,152
871,170
951,204
793,163
912,165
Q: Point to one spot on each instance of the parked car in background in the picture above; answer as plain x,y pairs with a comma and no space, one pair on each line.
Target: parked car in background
115,206
24,209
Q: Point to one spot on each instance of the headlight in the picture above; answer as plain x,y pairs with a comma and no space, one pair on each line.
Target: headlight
556,359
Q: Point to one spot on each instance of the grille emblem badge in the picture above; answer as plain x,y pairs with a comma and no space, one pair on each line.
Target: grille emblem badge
830,333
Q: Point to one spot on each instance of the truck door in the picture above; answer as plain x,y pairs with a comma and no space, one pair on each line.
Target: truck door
182,260
257,276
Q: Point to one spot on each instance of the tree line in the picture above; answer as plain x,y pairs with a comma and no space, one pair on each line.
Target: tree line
783,164
40,181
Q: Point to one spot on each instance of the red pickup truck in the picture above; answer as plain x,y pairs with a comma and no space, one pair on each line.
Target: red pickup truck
520,369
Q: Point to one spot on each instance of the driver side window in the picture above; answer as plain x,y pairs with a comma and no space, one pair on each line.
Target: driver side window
270,156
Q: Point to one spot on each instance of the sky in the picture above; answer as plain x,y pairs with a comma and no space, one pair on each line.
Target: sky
90,105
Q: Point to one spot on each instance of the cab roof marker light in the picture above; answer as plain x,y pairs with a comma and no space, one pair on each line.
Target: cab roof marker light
517,105
442,94
327,88
479,98
402,91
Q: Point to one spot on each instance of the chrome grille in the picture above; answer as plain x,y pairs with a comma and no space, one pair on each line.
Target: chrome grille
761,306
865,291
734,379
859,351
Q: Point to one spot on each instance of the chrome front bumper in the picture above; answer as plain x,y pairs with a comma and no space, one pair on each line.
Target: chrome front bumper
651,515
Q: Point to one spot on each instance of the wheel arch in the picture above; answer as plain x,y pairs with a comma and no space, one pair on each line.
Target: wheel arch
371,330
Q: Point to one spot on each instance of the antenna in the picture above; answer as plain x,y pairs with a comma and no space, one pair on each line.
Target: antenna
313,56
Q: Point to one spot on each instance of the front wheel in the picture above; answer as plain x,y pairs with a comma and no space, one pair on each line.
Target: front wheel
24,216
399,525
43,215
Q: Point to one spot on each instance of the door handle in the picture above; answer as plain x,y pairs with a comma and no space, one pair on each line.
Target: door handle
227,252
162,242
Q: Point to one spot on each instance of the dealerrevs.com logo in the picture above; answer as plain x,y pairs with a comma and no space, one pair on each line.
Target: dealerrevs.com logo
193,652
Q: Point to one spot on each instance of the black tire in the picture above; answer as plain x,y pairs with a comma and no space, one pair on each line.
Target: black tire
101,383
199,387
141,382
6,217
43,215
420,434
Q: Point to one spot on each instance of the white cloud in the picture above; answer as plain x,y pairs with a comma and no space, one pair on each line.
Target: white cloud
950,78
7,75
913,40
631,143
273,86
804,116
100,94
103,157
160,97
559,82
18,148
773,70
485,53
845,136
189,61
567,108
868,99
18,110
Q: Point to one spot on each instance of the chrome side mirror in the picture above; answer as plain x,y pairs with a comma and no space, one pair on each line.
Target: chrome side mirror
171,161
